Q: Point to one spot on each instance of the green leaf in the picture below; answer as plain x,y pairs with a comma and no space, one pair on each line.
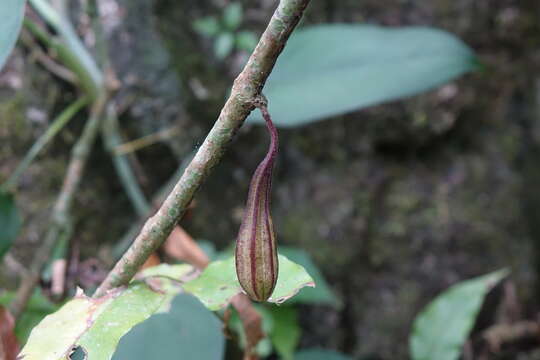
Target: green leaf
94,326
208,26
329,70
37,308
187,331
11,17
10,222
246,40
286,332
218,283
321,354
322,294
441,329
224,45
232,16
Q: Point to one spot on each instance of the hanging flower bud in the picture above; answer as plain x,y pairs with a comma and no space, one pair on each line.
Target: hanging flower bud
256,250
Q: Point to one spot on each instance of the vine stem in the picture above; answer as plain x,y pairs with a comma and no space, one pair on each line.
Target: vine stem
246,89
112,138
55,127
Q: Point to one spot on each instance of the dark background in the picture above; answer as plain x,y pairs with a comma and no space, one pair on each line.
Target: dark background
394,203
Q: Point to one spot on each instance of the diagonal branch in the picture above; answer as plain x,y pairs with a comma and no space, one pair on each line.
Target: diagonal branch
246,88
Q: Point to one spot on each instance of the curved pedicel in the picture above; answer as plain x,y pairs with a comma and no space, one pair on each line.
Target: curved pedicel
256,249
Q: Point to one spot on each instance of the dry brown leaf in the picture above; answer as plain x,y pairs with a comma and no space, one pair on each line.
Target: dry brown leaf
9,347
153,260
181,246
252,323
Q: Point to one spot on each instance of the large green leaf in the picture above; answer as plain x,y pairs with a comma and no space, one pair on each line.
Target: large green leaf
441,329
94,326
328,70
11,16
218,284
10,221
188,331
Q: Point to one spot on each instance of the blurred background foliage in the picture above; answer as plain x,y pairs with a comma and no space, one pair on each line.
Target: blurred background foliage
393,203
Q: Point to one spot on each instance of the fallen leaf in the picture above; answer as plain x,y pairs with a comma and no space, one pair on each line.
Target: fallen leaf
251,321
9,347
152,261
181,246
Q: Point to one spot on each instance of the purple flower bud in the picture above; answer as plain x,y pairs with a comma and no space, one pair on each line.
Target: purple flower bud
256,249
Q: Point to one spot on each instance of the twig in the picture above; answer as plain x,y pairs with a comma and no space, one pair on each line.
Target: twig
60,220
498,335
112,139
57,125
246,88
137,144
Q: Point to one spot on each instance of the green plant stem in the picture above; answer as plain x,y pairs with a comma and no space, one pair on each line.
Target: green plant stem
70,49
60,222
246,88
112,139
57,125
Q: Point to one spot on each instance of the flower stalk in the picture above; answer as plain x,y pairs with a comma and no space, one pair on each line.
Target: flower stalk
256,250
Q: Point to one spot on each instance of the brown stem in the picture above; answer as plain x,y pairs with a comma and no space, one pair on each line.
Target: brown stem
246,89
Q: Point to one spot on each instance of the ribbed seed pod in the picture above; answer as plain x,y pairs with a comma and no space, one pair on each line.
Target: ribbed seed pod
256,249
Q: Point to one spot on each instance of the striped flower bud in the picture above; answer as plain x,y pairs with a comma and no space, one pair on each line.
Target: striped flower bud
256,250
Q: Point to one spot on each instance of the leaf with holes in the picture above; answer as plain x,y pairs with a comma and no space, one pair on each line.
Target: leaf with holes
218,283
93,327
11,17
328,70
441,329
